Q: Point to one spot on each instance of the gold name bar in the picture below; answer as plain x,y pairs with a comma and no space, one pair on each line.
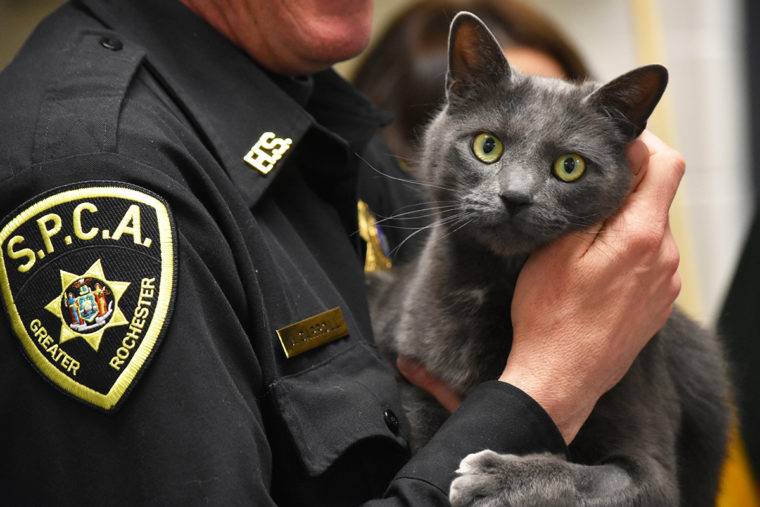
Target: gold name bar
312,332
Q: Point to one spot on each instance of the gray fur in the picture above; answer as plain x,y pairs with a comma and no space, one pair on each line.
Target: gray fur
658,437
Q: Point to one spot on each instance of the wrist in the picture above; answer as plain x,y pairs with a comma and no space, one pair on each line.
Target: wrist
566,405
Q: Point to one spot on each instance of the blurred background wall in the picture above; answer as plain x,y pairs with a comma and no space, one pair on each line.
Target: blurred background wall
17,18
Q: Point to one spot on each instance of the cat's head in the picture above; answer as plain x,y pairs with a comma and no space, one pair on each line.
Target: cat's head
524,159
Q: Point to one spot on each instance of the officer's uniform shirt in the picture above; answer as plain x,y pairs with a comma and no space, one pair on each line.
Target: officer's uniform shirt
147,268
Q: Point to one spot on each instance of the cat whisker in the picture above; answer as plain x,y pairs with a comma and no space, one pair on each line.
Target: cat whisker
427,205
434,211
419,230
419,213
456,222
403,228
443,221
404,180
464,224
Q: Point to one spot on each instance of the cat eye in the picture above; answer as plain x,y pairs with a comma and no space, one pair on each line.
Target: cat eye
569,167
487,148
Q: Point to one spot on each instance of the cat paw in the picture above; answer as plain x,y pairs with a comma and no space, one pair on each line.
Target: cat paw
490,479
480,480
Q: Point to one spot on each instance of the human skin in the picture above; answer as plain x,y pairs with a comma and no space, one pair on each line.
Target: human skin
291,37
534,62
611,289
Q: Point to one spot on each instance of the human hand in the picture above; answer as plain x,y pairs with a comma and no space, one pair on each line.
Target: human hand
419,376
585,305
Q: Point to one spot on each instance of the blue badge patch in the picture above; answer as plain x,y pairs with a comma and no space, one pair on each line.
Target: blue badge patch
87,274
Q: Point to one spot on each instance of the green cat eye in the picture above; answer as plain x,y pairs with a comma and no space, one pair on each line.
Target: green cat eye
569,167
487,148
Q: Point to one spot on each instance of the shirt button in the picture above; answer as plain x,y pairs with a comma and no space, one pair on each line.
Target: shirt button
111,44
391,421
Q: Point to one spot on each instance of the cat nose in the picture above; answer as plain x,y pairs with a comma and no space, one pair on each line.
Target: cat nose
515,201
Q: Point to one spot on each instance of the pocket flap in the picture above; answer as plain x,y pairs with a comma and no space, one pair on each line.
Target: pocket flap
348,398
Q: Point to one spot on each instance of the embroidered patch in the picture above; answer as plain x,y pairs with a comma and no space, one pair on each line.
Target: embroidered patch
87,274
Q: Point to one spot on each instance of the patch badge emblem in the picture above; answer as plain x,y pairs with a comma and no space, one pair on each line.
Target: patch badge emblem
377,257
87,274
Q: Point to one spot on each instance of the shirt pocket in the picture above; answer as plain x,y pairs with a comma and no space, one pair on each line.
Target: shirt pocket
349,398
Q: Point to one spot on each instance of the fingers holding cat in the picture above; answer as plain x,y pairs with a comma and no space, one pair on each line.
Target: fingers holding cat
640,231
586,305
419,376
658,170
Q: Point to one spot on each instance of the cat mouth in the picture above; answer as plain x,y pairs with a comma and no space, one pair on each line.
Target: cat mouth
508,232
506,238
517,235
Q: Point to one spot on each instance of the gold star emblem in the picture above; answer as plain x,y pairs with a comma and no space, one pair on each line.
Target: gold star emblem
88,305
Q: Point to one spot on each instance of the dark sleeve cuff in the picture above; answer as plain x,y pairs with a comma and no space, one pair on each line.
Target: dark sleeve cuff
496,416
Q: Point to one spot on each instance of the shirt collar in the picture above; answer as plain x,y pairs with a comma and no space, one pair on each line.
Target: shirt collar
236,103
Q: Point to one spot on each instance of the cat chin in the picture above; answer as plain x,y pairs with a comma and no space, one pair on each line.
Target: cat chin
511,247
507,241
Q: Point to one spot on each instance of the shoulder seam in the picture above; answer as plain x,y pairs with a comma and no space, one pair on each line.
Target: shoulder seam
79,112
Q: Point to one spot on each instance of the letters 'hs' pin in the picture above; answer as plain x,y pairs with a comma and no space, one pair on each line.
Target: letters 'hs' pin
312,332
267,151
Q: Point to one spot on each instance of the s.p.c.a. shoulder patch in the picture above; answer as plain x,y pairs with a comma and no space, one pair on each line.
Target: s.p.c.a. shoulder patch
87,273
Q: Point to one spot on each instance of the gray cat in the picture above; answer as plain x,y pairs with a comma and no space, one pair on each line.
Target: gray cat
513,162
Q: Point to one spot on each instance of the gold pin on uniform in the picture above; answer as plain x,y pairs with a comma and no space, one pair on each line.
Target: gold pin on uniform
312,332
267,151
375,259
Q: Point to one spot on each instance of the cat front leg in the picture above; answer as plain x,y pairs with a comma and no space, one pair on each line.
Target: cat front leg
490,479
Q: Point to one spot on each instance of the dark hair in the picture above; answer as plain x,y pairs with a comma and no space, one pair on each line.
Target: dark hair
404,71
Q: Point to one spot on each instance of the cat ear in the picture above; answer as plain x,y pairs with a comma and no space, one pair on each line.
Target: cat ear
475,56
632,97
